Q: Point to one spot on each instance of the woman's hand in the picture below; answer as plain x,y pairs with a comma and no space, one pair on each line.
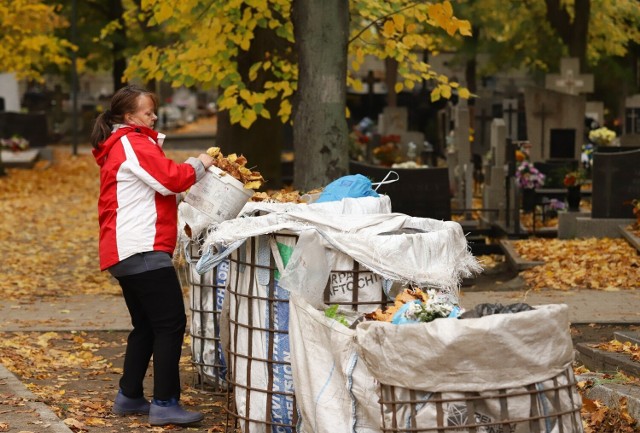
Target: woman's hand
206,160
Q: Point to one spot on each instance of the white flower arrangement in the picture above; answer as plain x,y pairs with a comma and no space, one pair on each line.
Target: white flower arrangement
602,136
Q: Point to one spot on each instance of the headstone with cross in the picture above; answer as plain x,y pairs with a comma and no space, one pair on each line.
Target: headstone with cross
510,114
631,130
481,125
569,80
542,113
562,112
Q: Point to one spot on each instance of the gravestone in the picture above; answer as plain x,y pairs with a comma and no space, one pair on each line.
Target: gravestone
631,130
9,92
616,181
393,121
494,194
595,111
548,111
554,172
462,165
569,80
420,192
562,143
32,126
415,137
22,159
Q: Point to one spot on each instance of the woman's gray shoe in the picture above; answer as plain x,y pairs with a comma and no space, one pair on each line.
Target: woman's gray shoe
174,414
124,405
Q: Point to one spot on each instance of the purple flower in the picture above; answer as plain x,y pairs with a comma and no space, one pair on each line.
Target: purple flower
528,176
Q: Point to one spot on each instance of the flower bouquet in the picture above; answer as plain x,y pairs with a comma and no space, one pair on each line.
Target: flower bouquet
602,136
528,176
574,178
388,152
15,143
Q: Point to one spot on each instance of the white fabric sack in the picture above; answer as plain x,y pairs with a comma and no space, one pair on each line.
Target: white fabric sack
205,302
422,251
197,221
486,353
349,205
335,393
249,310
550,406
207,294
249,347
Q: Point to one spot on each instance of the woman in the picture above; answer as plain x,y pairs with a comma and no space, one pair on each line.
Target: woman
137,212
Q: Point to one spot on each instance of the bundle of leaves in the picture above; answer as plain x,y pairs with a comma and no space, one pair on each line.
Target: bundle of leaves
235,166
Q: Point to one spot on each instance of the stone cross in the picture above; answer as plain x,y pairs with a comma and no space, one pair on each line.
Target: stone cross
570,80
510,114
482,118
542,114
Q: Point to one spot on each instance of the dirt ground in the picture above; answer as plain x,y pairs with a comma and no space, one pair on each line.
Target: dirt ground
76,374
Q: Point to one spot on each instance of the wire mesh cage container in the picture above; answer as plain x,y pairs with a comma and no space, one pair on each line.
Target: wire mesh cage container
551,406
261,395
205,304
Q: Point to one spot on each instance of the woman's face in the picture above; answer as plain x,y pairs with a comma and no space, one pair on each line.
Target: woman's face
145,113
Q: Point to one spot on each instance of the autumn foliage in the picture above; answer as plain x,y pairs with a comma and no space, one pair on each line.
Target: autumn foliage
599,264
28,42
211,36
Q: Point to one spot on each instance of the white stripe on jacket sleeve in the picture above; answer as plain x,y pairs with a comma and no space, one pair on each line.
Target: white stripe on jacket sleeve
136,168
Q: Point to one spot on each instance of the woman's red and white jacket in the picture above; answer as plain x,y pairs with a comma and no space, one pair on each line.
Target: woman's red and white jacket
137,207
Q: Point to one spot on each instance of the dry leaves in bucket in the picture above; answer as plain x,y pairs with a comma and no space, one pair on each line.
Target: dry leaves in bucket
235,166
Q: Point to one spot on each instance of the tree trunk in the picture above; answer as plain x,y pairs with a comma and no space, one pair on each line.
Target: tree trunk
116,10
574,33
262,143
390,78
320,134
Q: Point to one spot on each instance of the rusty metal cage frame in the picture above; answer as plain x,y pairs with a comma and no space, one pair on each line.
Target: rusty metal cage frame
389,403
233,417
216,381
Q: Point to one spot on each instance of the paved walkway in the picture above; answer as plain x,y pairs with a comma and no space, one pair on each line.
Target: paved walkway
79,312
109,313
585,306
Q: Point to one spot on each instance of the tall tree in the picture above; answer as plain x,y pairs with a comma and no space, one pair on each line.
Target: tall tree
535,34
28,40
571,25
320,127
213,36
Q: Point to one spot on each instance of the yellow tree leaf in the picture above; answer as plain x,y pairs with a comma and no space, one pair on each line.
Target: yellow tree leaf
398,22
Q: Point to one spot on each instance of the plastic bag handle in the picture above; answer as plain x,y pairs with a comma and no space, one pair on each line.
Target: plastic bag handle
385,181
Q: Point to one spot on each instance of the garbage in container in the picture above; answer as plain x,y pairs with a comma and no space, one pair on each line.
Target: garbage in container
345,259
450,377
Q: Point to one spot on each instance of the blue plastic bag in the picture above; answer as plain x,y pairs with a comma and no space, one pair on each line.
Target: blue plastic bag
354,185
